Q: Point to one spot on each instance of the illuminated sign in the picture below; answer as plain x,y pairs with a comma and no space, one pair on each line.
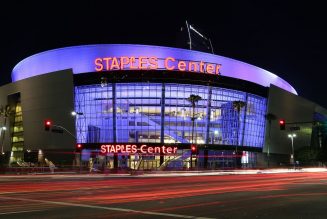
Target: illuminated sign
132,148
154,63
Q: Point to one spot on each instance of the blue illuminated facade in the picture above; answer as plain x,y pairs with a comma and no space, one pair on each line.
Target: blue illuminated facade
145,99
81,60
149,112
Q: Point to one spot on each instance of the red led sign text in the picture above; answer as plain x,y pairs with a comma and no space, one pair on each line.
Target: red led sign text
132,148
152,63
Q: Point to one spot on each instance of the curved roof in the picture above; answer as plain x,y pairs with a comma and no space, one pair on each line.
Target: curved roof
81,60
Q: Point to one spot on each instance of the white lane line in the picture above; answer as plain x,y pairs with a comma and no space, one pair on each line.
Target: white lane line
105,208
18,212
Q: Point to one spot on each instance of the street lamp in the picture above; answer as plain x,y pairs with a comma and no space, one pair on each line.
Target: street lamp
292,136
79,146
103,82
74,113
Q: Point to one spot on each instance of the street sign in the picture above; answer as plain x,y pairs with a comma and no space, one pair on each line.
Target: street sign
57,130
295,128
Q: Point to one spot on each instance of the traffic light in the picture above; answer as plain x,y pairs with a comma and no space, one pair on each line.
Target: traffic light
193,149
47,124
79,147
282,124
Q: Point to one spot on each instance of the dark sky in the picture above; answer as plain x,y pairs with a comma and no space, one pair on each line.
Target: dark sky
287,38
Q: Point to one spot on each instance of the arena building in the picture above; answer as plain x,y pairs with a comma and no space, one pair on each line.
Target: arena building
151,107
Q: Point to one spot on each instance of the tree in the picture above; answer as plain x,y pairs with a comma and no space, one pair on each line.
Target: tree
5,112
193,99
269,117
238,105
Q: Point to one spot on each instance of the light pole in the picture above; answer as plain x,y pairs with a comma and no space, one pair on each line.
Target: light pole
78,124
292,136
76,114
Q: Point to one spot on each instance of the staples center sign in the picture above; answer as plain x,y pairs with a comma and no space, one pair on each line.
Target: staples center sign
154,63
132,148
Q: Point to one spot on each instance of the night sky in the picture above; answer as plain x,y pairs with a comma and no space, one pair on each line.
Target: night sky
287,38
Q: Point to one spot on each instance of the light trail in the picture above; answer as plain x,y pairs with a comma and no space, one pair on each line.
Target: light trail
19,212
105,208
156,195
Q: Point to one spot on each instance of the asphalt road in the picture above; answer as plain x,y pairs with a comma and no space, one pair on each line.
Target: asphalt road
286,195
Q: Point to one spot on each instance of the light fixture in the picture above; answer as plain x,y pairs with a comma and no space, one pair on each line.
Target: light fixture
292,135
103,82
74,113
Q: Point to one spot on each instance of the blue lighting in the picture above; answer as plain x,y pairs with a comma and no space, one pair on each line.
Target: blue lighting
139,112
81,60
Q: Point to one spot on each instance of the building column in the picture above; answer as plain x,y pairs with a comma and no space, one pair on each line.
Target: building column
208,115
115,161
205,160
162,131
114,122
114,113
244,117
205,151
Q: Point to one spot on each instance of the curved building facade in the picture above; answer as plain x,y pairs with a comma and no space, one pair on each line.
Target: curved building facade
126,97
149,112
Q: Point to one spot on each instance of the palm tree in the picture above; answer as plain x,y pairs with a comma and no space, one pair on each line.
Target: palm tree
269,117
238,105
193,99
4,113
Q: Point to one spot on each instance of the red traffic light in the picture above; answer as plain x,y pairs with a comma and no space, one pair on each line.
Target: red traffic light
47,124
193,148
282,124
79,147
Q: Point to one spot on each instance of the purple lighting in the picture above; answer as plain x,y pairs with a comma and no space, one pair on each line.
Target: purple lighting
141,116
81,60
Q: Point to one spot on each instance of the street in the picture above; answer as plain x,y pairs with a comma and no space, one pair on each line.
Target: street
279,195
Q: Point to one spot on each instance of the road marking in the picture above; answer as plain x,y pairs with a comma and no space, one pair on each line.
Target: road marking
105,208
19,212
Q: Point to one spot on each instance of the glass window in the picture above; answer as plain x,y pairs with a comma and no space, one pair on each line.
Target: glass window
139,115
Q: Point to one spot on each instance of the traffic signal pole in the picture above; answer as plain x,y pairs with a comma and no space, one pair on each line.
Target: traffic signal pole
59,126
290,123
79,152
282,123
48,124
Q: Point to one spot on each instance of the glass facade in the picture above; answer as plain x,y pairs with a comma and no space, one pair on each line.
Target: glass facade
162,113
17,139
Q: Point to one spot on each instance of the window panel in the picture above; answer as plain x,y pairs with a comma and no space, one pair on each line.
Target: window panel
138,114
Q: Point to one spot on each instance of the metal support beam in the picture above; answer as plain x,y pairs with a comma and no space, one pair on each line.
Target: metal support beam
208,115
244,118
162,131
163,97
114,110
